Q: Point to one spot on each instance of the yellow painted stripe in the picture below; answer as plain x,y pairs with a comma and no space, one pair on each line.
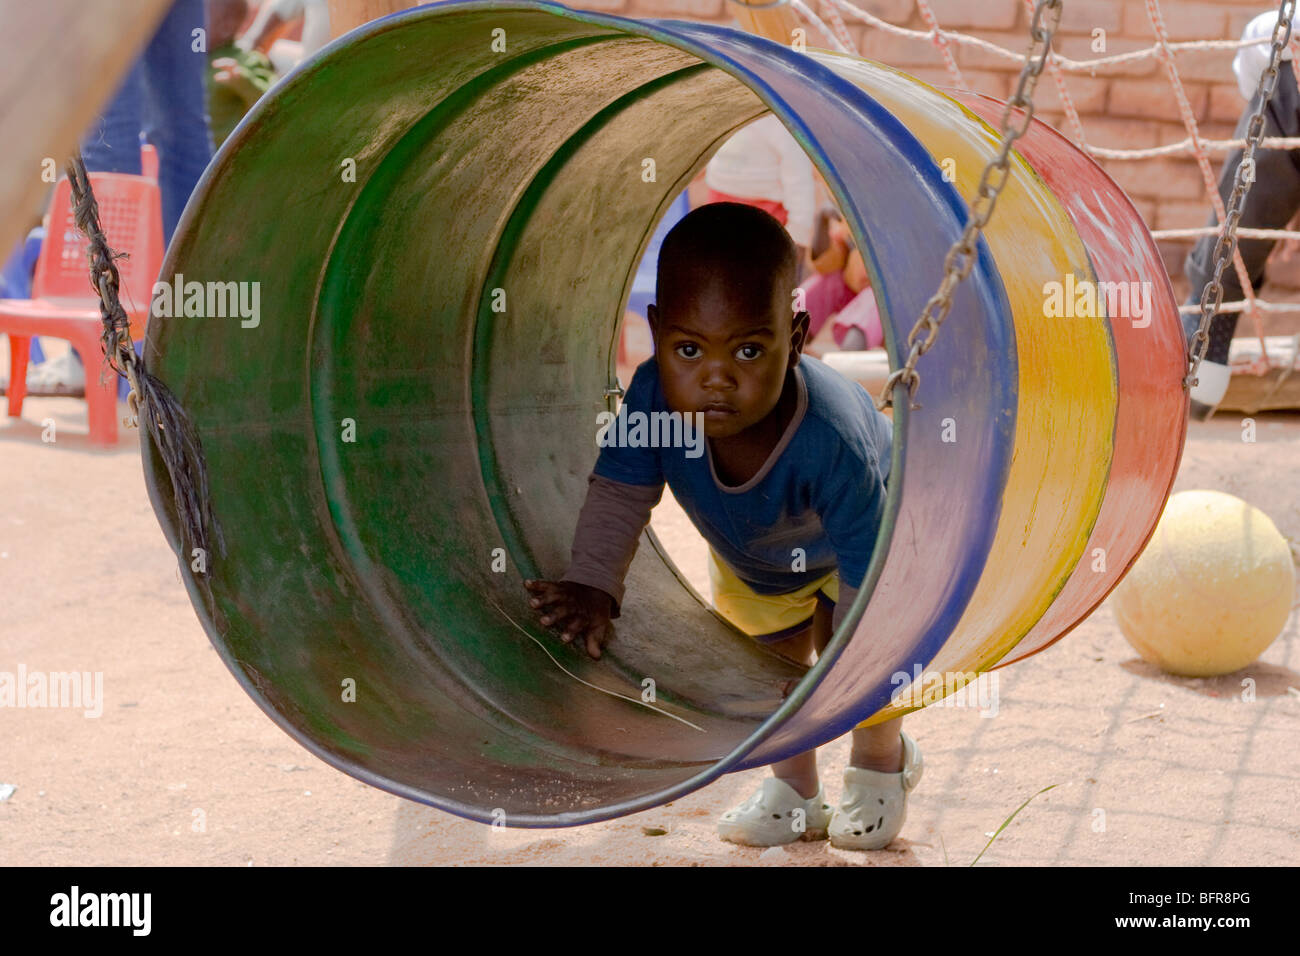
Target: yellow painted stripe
1067,382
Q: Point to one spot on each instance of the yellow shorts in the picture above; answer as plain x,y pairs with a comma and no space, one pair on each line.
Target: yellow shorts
768,617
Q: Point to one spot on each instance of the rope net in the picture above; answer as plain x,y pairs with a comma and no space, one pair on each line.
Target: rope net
829,21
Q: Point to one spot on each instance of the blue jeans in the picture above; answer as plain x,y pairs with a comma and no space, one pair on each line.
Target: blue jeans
16,279
163,98
1272,201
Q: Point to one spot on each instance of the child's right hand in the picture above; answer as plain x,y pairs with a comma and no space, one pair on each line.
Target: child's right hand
840,233
576,610
235,77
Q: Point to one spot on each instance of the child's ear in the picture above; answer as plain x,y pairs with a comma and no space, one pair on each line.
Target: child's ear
798,334
652,316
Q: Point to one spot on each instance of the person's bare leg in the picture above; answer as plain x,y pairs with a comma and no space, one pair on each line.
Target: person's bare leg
853,341
800,771
878,747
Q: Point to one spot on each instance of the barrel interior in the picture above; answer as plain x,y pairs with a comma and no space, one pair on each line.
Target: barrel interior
405,432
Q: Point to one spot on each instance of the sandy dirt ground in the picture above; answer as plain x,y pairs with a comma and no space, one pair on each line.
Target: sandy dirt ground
182,767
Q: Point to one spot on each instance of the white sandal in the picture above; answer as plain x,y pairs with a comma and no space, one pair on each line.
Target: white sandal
770,817
874,804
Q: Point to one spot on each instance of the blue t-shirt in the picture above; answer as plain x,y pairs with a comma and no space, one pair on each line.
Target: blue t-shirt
822,489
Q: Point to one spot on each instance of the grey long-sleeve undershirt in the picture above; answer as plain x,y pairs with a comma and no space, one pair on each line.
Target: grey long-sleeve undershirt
609,529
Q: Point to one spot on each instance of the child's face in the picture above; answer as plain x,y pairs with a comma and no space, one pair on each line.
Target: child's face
730,363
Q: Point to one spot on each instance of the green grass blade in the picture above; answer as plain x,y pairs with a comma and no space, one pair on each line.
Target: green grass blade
1007,821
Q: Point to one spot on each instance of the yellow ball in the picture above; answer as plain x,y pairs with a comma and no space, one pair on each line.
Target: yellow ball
1212,589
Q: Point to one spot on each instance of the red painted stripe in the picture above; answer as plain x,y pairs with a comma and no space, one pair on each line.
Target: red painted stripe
1151,420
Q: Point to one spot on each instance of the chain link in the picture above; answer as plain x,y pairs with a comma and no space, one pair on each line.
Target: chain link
959,261
152,404
1226,247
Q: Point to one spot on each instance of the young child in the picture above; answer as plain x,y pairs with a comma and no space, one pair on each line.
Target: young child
840,289
792,476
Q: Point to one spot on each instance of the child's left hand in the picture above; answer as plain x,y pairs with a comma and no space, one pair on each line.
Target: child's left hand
856,276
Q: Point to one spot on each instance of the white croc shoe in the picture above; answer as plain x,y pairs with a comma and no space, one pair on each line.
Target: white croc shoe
776,814
874,805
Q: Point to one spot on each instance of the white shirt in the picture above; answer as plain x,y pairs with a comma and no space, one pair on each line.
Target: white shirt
763,161
1251,61
315,30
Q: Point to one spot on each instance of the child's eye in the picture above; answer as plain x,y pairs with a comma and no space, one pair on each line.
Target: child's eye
749,352
687,350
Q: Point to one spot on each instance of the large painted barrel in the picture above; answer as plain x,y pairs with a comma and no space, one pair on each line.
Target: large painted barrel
441,214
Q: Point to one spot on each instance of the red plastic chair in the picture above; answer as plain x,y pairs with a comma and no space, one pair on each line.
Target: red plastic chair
63,304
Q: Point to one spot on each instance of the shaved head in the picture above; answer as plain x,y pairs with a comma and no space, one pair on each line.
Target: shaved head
737,247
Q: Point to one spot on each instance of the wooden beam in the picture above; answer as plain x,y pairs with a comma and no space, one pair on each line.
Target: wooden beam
63,60
869,368
1277,388
773,22
347,15
1272,391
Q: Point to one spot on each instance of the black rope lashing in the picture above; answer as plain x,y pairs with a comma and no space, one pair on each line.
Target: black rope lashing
152,402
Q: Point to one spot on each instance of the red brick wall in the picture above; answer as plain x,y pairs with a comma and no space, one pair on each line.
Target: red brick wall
1128,106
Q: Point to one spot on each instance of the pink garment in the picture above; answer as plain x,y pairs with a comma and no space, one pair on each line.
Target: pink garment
763,161
827,296
769,206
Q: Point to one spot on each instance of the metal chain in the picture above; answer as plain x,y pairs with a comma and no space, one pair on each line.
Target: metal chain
152,404
1226,247
119,350
769,5
959,261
